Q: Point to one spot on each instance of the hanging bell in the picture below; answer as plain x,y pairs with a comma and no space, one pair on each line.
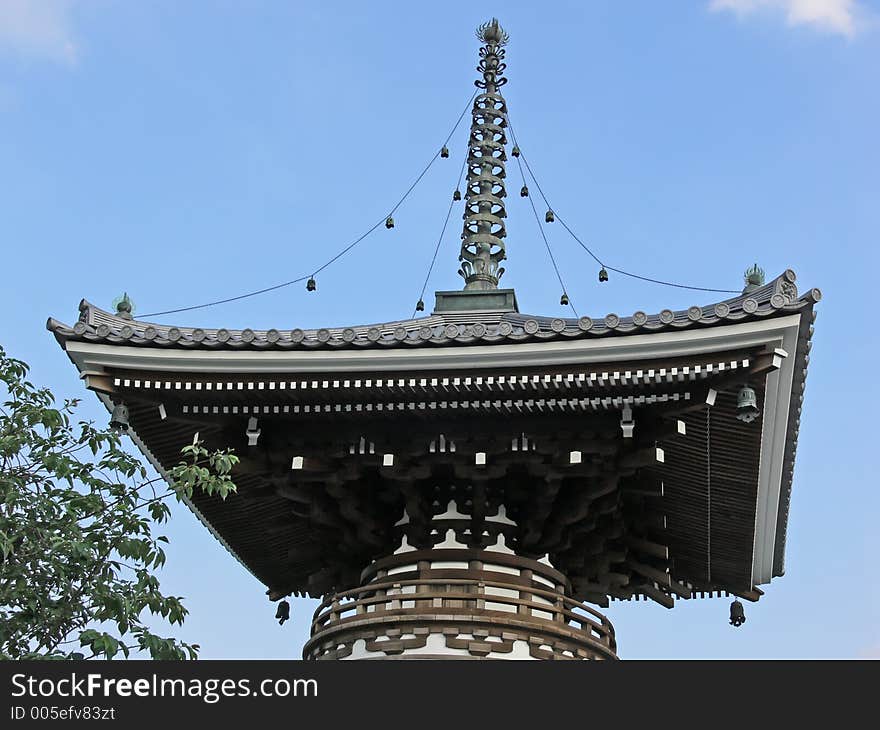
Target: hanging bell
444,152
747,405
311,285
283,612
456,195
524,193
389,222
549,217
563,300
515,151
737,614
420,306
119,418
603,274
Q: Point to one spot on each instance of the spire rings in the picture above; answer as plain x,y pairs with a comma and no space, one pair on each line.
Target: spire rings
487,198
484,168
490,131
485,239
484,231
489,114
492,145
484,99
484,177
474,220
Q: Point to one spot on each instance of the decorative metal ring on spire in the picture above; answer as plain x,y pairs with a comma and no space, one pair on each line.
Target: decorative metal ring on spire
483,233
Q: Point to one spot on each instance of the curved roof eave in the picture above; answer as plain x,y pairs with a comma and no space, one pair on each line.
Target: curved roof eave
447,329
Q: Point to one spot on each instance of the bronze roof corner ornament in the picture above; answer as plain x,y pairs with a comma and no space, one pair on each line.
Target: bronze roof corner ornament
754,278
482,248
124,306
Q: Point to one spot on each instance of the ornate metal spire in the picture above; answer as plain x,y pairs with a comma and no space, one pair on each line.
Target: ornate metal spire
482,246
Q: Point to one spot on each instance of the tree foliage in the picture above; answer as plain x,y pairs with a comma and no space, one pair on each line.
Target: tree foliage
78,553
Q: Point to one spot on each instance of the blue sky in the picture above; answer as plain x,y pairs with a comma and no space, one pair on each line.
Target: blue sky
186,152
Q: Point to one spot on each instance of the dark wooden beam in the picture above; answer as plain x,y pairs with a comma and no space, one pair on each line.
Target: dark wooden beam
647,547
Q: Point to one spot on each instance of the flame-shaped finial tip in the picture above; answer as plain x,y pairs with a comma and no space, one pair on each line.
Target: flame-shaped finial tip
492,32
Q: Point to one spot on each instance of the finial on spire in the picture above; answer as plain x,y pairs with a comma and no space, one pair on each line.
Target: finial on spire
482,248
492,32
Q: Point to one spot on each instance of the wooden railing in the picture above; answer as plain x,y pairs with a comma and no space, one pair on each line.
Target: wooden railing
420,601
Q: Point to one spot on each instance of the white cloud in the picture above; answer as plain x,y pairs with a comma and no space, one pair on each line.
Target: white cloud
38,29
845,17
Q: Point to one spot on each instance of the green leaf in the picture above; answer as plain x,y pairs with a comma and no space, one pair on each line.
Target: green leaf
77,550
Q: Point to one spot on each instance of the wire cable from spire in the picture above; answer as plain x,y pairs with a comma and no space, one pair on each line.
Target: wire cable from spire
587,248
543,234
440,238
341,253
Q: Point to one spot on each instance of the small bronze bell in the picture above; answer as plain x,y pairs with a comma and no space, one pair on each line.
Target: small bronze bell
747,405
524,193
283,612
456,195
444,152
389,222
119,418
603,274
515,151
311,285
737,614
549,217
420,306
563,300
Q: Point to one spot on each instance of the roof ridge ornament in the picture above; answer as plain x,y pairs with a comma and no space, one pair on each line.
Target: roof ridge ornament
124,306
483,233
754,278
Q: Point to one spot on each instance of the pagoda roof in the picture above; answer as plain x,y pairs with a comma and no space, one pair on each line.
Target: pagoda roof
123,358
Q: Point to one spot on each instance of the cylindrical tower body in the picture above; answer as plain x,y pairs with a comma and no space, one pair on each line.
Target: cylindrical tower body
453,601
